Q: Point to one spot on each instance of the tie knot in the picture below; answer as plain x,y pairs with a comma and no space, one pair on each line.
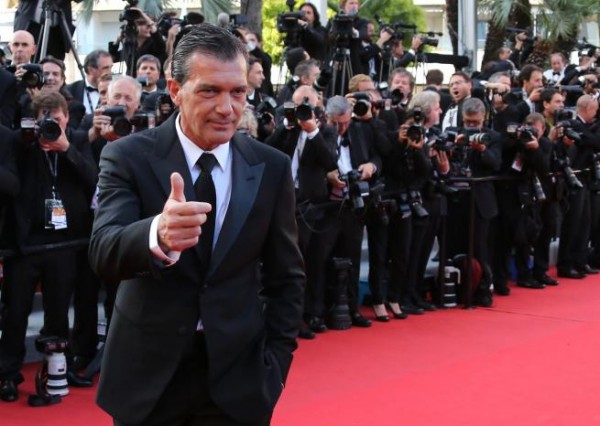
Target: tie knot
206,162
345,140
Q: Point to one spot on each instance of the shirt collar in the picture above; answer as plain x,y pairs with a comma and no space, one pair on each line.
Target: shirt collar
193,152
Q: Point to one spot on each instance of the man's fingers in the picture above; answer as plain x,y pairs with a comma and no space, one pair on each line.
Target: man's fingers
177,188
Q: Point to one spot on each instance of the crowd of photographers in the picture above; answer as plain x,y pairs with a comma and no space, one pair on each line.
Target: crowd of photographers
511,153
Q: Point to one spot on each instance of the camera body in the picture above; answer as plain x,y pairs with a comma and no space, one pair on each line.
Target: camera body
356,190
363,103
46,127
33,78
521,134
265,111
302,112
288,22
118,120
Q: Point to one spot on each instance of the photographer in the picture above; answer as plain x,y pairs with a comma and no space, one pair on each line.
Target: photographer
527,99
52,222
522,48
95,64
460,89
148,70
254,43
572,259
125,92
401,86
309,148
305,74
408,169
22,46
525,159
313,36
139,37
357,160
475,155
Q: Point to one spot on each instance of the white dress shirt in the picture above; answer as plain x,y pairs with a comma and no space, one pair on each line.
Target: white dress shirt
221,175
302,137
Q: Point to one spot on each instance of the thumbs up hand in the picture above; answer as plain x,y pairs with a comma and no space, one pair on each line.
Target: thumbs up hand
180,224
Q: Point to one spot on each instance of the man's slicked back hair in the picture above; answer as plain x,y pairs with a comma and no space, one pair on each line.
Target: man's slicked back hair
209,40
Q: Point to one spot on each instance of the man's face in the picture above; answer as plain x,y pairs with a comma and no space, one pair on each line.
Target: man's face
312,76
59,116
366,86
149,70
124,93
105,64
341,121
535,82
556,63
370,30
212,99
256,76
401,82
53,79
557,102
309,15
504,54
433,118
473,121
459,88
22,47
251,41
589,113
103,92
352,7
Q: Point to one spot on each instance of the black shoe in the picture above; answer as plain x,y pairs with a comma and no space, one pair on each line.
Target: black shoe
8,390
530,283
396,315
412,309
483,297
570,273
306,333
545,279
78,381
501,289
359,321
317,325
381,318
426,306
80,363
587,269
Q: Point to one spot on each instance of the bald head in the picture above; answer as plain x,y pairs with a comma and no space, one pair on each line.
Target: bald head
22,47
587,108
305,92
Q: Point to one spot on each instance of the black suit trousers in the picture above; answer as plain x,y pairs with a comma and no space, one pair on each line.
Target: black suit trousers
377,235
194,407
56,270
575,231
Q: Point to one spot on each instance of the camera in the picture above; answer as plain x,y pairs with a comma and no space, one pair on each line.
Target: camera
529,39
416,131
50,344
142,120
383,207
476,136
514,96
33,78
288,22
342,28
412,204
302,112
265,111
363,103
49,128
356,190
160,111
120,123
323,80
538,190
564,164
166,21
561,115
521,134
445,142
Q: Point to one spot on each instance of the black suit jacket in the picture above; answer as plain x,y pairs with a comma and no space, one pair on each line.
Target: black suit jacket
9,183
316,160
8,98
249,338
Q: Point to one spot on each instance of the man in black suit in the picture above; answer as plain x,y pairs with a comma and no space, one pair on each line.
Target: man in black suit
476,159
30,17
97,63
52,221
211,294
342,235
573,249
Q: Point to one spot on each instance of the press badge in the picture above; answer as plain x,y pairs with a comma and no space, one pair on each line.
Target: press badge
56,215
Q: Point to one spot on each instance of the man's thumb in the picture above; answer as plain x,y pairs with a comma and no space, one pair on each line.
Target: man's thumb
177,188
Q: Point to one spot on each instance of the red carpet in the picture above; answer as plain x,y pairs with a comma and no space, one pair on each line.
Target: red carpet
531,359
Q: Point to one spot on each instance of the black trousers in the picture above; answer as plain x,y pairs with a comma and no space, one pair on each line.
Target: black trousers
377,234
186,400
56,271
541,254
341,236
575,231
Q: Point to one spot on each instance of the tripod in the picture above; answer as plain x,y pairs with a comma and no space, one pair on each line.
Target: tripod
54,15
342,70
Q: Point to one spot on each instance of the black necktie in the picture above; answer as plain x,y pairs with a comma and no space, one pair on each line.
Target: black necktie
91,89
205,192
345,140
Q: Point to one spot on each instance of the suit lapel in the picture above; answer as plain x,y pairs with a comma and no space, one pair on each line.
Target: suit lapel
168,157
246,177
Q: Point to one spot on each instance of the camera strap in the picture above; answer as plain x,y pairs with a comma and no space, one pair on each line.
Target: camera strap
55,212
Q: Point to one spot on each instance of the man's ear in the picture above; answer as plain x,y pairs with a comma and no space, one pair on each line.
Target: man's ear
174,88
